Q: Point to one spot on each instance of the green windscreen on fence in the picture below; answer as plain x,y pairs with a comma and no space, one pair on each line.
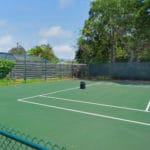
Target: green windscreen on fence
15,140
131,71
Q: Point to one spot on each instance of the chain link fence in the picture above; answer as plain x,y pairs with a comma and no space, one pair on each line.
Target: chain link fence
11,139
31,67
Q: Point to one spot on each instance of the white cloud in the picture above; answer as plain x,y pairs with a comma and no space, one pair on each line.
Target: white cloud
64,51
57,36
43,41
65,3
6,43
55,32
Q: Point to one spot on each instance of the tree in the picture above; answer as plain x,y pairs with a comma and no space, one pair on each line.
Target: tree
100,32
142,23
44,51
113,31
17,50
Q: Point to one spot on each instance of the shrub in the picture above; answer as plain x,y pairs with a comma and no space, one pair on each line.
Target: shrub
5,67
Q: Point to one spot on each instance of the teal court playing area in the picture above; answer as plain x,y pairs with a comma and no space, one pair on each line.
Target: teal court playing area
106,115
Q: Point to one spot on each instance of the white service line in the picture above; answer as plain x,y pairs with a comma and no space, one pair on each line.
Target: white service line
91,103
59,91
48,93
87,113
147,107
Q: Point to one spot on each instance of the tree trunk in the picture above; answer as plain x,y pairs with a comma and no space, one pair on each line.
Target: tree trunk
131,56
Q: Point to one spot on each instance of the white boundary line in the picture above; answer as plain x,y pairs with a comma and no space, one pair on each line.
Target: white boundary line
59,91
92,84
128,85
148,106
87,113
83,112
91,103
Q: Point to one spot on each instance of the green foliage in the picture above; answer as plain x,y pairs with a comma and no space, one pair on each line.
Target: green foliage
116,30
44,51
17,50
8,81
5,67
145,55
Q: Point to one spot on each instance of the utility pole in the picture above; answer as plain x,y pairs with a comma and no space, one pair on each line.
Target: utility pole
17,45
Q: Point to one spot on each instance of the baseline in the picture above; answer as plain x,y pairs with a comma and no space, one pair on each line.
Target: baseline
126,85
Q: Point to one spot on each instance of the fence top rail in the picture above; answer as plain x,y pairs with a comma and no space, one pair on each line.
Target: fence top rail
22,140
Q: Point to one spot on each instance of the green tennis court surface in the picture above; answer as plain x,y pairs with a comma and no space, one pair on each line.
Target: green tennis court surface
105,115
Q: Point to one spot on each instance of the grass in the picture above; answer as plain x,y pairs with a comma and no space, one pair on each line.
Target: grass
8,81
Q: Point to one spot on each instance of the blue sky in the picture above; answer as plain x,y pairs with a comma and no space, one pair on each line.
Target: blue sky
35,22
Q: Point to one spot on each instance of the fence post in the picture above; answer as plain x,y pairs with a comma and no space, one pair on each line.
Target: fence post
25,68
72,69
88,70
60,70
45,69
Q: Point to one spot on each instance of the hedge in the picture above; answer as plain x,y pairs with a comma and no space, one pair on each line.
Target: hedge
5,67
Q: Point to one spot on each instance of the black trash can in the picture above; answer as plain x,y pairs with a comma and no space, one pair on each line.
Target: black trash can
82,85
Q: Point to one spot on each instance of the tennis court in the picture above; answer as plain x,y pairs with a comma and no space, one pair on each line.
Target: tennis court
105,115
